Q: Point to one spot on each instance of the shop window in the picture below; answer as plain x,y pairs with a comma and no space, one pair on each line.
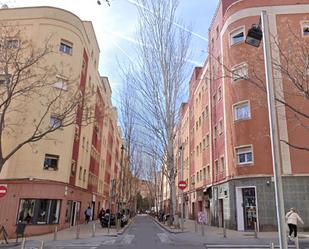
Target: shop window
51,162
39,211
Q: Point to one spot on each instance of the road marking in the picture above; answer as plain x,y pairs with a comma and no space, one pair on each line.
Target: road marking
164,238
127,239
109,242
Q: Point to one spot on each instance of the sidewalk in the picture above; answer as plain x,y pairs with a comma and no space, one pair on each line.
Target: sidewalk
215,235
70,234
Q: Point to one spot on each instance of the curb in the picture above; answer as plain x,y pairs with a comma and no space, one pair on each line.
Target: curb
9,245
126,227
170,230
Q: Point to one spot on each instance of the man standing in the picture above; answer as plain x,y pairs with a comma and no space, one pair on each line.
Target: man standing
88,214
292,219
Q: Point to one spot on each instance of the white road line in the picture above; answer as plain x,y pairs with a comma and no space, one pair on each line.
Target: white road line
109,242
164,238
127,239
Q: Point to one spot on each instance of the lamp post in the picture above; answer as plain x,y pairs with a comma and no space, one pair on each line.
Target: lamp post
181,148
254,37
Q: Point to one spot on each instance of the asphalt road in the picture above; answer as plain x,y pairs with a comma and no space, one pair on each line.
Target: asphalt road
144,233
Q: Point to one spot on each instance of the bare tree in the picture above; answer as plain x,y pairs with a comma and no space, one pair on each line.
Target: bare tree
28,82
158,76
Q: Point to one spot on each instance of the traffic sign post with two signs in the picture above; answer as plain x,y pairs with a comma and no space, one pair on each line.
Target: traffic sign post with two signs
3,190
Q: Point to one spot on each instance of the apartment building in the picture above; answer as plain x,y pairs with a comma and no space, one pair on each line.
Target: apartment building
229,150
53,181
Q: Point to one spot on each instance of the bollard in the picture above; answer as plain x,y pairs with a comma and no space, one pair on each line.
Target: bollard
55,233
42,245
296,243
272,246
23,242
224,230
195,226
93,229
77,231
255,231
203,229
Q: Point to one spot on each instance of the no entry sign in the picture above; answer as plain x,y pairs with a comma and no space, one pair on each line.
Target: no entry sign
182,185
3,190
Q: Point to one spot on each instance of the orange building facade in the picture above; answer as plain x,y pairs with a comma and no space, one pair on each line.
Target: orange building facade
223,133
52,182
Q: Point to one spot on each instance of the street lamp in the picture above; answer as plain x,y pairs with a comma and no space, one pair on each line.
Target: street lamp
254,37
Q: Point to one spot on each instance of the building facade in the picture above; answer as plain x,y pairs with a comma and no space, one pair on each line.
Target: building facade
53,181
227,149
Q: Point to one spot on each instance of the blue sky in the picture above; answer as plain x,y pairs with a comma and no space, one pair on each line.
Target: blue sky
115,28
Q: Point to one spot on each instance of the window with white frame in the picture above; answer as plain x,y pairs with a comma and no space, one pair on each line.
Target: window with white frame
244,155
305,29
61,83
240,72
237,36
242,111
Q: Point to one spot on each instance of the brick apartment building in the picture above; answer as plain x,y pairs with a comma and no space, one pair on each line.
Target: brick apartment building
56,179
224,129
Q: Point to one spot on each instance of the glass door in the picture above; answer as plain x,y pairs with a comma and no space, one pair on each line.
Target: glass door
249,205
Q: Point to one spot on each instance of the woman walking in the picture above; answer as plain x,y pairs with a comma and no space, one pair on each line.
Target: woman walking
292,220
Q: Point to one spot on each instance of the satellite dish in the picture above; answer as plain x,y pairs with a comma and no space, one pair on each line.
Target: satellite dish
4,6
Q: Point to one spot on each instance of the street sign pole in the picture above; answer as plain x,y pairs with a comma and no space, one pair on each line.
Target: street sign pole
182,193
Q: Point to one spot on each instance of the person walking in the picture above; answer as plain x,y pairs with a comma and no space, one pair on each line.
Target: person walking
293,219
88,213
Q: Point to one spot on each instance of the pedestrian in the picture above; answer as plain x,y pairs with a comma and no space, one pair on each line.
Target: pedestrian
88,213
292,219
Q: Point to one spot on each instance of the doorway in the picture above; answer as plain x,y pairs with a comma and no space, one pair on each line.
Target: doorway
221,213
246,205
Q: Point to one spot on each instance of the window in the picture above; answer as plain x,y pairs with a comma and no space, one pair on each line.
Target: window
217,167
220,126
237,36
206,112
39,211
5,78
208,171
305,28
200,121
203,115
204,173
217,31
204,144
197,177
80,173
240,72
200,147
219,93
66,47
222,164
214,97
61,83
12,43
51,162
242,111
244,155
55,122
215,132
207,140
84,175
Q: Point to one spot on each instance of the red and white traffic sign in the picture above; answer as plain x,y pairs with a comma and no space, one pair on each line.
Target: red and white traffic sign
3,190
182,185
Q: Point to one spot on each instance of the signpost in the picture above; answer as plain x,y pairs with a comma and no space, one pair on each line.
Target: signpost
3,190
182,185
